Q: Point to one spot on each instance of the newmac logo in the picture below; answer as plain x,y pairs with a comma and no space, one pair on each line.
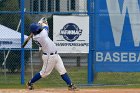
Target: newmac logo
70,32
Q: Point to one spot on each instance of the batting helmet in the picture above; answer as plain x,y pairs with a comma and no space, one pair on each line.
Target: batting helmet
34,27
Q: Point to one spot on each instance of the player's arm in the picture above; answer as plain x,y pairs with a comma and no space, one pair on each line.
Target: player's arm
43,22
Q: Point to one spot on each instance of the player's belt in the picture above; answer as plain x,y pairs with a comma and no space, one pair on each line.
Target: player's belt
50,53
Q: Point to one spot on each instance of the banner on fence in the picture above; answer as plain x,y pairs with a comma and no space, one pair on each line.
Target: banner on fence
118,35
71,33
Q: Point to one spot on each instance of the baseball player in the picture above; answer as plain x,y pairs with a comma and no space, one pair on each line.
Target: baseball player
50,57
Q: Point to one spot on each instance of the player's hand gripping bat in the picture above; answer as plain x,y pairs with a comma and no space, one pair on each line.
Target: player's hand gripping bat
27,40
43,21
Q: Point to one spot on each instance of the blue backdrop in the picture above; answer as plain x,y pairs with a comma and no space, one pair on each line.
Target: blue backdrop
117,29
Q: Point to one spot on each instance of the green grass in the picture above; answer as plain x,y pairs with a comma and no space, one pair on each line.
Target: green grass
78,76
114,78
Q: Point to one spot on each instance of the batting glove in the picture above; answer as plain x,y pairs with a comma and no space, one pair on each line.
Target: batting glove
43,22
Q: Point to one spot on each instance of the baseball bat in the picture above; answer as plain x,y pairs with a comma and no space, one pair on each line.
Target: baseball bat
27,40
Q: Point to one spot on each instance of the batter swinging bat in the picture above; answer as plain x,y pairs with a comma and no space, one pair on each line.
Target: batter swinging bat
27,40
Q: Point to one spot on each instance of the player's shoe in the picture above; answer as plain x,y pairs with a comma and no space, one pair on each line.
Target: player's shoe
72,88
30,86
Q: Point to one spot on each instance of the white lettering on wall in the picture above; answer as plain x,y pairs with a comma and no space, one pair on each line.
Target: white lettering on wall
117,17
117,57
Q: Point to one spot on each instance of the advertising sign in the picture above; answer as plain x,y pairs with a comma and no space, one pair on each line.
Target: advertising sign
71,33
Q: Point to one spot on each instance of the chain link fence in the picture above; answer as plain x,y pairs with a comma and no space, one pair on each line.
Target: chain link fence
10,62
76,63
